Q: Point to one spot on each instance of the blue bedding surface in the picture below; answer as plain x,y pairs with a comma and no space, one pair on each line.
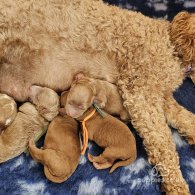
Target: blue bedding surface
23,176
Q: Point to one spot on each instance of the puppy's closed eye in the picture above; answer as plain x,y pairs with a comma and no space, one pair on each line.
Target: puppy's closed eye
78,106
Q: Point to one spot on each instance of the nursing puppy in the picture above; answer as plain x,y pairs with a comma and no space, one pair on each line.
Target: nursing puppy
61,151
85,91
28,122
109,133
46,101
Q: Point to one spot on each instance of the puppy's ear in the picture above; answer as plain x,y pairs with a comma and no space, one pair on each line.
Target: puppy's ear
35,90
79,76
63,98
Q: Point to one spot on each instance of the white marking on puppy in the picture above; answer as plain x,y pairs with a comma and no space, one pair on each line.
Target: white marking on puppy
12,106
7,122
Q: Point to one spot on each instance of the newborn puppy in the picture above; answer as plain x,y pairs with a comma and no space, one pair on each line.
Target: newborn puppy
61,152
46,101
14,140
112,135
29,122
8,111
85,91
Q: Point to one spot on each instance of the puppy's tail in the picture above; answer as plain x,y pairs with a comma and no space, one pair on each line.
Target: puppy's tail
36,153
122,163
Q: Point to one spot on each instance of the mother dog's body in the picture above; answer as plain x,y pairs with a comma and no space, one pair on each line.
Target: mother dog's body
41,38
46,42
36,45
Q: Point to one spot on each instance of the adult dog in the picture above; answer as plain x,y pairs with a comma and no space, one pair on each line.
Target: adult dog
46,42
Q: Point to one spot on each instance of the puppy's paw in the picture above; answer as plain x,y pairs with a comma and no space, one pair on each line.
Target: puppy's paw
124,115
90,157
104,165
31,142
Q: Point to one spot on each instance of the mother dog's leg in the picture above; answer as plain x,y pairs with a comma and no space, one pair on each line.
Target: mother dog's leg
180,118
147,114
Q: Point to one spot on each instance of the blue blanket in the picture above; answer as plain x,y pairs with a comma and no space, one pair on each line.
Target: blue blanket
23,176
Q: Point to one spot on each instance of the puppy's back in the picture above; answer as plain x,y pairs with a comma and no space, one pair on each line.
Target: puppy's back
62,141
63,135
114,131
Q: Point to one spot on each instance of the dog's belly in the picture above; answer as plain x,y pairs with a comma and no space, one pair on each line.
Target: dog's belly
58,72
54,71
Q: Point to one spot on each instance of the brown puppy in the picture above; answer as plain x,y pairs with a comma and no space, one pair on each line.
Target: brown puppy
61,152
112,135
46,101
28,122
8,111
85,91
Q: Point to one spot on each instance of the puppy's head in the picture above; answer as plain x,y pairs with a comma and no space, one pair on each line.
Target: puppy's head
182,34
80,96
46,101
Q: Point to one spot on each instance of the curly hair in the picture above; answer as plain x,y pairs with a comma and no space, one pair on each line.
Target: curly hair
182,34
